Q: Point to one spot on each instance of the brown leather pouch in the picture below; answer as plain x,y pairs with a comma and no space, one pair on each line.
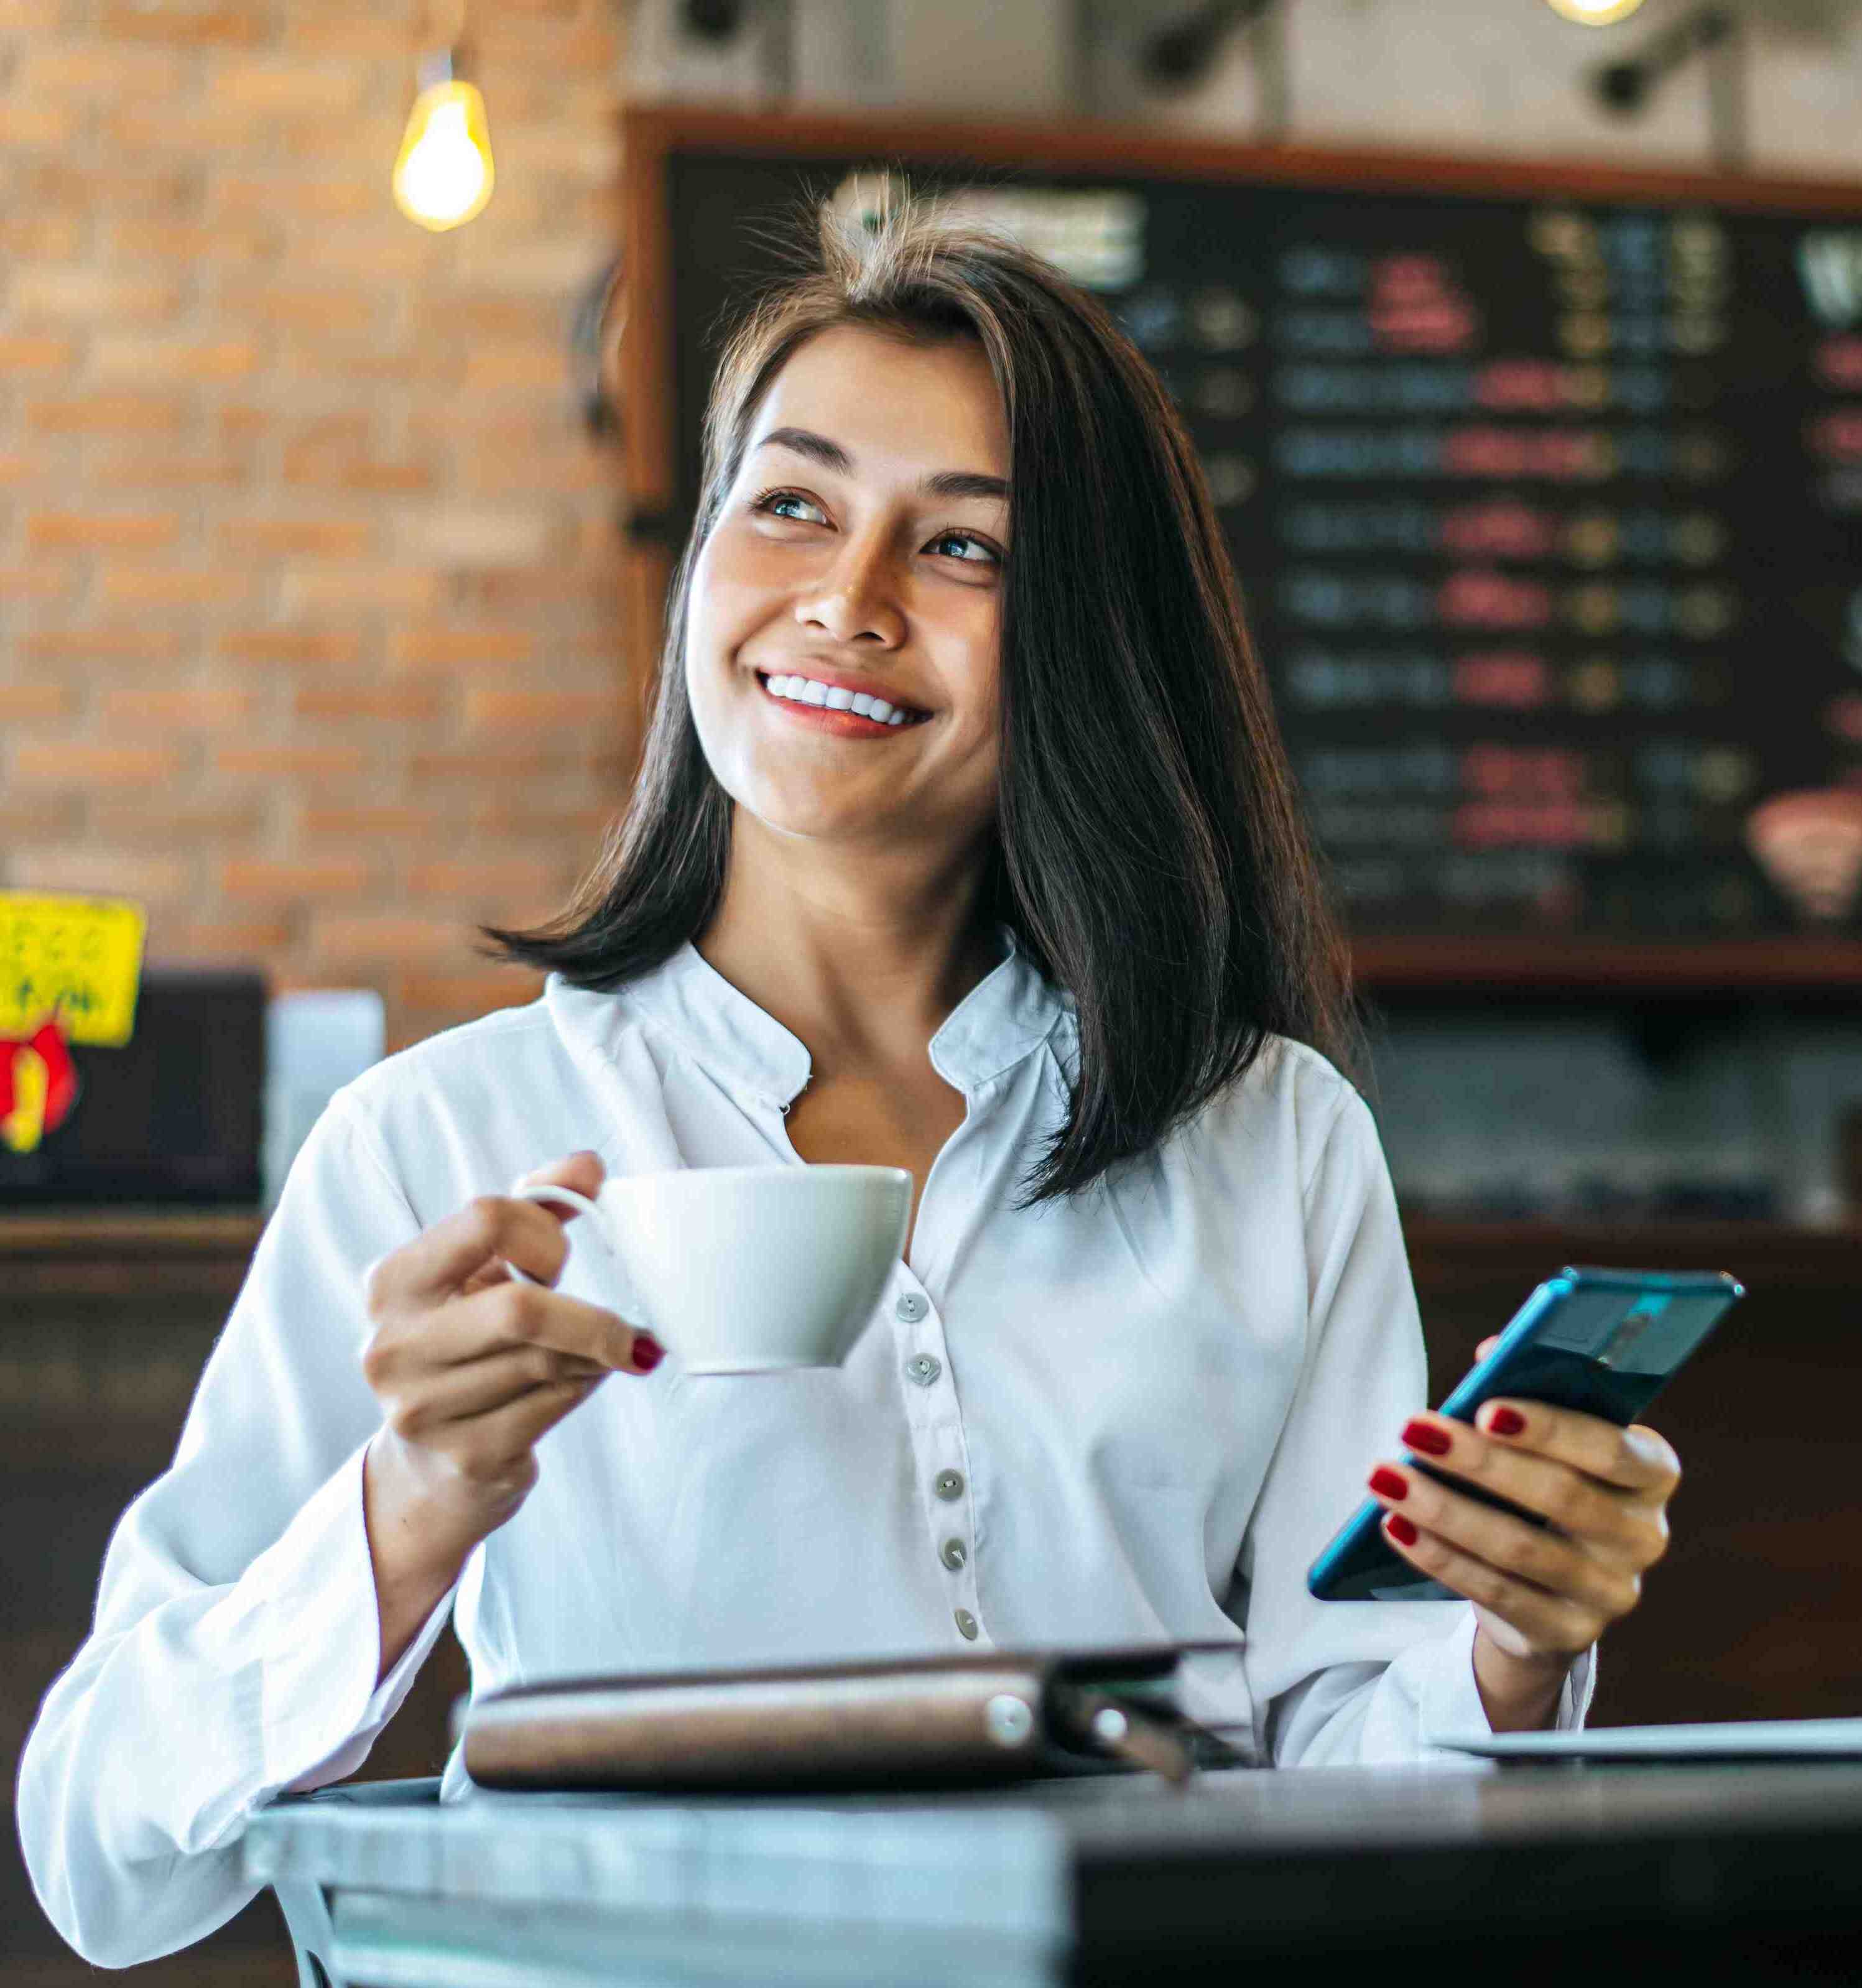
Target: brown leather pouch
973,1717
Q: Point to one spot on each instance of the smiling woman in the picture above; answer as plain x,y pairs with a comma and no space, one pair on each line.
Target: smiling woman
1041,918
936,472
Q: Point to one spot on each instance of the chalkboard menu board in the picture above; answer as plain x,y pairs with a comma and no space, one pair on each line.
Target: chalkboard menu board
1545,490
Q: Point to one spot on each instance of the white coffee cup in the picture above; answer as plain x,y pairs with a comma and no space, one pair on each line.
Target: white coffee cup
748,1269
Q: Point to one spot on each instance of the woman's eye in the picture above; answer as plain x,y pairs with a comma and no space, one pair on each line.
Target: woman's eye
769,501
771,504
964,539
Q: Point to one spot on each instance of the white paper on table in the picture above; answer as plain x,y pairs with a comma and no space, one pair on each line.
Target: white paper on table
1742,1739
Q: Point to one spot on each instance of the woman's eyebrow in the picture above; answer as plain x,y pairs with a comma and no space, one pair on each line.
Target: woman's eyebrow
947,483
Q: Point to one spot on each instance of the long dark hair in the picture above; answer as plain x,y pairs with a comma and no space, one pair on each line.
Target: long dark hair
1151,854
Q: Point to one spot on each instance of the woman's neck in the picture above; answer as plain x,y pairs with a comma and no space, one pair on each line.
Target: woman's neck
863,971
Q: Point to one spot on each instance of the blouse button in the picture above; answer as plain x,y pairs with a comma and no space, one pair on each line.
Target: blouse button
911,1307
967,1623
948,1484
924,1369
953,1554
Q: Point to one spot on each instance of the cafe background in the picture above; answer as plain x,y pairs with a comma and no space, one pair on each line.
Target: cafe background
324,635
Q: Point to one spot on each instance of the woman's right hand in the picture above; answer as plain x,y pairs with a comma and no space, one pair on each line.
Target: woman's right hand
472,1366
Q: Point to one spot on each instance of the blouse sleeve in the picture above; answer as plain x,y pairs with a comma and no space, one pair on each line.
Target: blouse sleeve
235,1644
1354,1683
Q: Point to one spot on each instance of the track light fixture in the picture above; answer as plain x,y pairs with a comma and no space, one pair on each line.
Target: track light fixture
1627,86
711,20
1177,57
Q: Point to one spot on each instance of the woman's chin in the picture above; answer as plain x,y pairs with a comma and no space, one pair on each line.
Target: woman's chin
782,811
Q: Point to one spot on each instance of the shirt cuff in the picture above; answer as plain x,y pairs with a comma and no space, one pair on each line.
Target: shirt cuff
321,1704
1452,1707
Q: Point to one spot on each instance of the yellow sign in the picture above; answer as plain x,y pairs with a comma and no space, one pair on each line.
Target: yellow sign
79,959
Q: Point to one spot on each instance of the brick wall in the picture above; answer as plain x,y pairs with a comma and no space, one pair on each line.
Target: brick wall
310,607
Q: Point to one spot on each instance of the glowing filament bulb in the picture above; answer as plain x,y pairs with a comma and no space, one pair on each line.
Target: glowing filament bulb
443,176
1594,13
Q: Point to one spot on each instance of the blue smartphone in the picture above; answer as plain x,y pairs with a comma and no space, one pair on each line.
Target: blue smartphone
1604,1342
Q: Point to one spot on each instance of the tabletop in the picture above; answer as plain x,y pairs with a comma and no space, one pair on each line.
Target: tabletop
1745,1869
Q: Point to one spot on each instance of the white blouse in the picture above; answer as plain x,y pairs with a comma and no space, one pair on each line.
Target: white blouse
1141,1414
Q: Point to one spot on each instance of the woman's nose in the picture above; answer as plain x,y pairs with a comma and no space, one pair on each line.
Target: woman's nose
856,599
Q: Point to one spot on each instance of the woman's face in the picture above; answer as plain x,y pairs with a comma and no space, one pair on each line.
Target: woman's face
862,544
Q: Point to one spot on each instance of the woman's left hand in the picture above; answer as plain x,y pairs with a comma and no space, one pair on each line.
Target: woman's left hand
1542,1595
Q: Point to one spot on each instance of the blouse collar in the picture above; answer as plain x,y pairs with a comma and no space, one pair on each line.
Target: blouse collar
1010,1011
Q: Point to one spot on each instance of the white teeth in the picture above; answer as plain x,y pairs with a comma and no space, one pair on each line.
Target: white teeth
804,690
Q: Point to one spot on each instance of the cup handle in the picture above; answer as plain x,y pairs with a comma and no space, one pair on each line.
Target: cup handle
544,1192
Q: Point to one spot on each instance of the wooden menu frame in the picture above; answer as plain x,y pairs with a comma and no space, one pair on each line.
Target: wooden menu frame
1794,965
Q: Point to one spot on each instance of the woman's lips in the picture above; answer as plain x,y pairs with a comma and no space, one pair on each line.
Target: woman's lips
842,724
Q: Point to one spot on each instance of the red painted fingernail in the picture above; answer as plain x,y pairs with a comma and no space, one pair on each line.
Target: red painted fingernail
1400,1530
1505,1421
647,1353
1386,1481
1426,1437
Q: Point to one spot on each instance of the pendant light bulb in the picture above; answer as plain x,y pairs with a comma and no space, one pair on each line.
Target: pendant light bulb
443,176
1594,13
